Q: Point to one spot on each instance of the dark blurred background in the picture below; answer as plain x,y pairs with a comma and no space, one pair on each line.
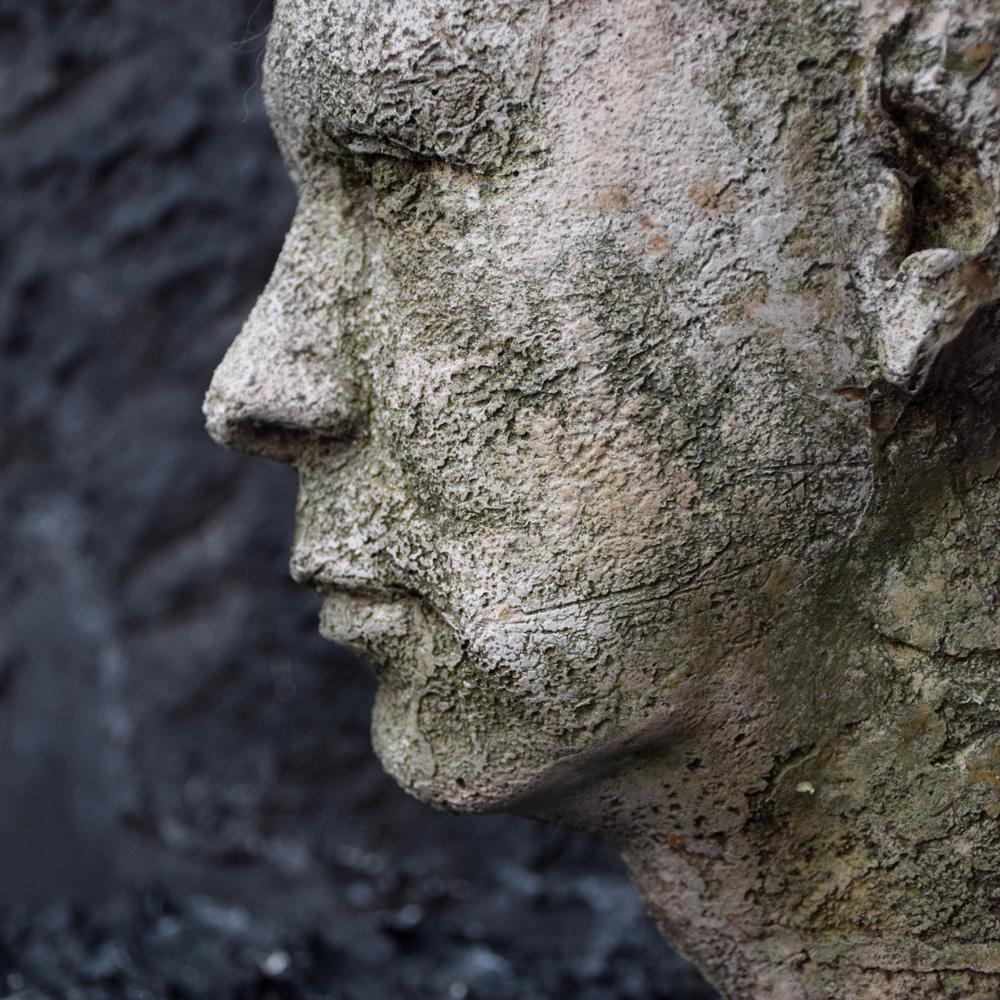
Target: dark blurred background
189,806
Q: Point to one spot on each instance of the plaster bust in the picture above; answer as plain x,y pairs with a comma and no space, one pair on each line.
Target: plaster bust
638,361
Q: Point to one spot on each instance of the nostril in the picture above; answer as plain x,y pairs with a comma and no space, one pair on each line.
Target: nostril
275,435
259,435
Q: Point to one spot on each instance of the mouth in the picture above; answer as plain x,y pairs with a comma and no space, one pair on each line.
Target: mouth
360,588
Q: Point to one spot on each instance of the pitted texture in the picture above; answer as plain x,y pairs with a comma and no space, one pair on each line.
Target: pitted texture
630,520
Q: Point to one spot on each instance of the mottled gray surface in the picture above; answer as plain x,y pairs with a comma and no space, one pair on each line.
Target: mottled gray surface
167,713
655,467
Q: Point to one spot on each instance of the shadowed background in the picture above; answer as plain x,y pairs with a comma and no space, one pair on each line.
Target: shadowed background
190,806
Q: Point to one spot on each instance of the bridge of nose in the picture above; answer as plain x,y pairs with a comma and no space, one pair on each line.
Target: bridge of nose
289,378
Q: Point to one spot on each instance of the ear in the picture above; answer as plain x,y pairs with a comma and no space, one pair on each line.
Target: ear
935,127
928,303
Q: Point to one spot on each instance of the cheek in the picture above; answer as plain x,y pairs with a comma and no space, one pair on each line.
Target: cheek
576,495
567,438
790,471
537,498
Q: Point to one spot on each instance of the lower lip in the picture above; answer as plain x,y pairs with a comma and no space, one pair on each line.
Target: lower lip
371,622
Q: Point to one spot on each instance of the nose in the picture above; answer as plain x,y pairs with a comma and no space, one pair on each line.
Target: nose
288,381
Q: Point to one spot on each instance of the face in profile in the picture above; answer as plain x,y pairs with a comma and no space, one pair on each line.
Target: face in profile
570,356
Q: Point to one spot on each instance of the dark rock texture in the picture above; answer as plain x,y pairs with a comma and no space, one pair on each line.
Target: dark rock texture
168,715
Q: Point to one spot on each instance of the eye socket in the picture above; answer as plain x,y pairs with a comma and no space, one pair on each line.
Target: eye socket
445,83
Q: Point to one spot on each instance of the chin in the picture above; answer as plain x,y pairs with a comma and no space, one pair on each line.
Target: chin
457,725
442,760
440,726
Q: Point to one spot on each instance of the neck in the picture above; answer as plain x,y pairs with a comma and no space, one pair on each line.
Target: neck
851,850
842,839
819,817
763,921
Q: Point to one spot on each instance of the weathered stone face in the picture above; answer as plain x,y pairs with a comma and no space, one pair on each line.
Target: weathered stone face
569,342
568,369
604,342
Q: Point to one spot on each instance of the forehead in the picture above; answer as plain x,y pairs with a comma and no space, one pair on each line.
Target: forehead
439,79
